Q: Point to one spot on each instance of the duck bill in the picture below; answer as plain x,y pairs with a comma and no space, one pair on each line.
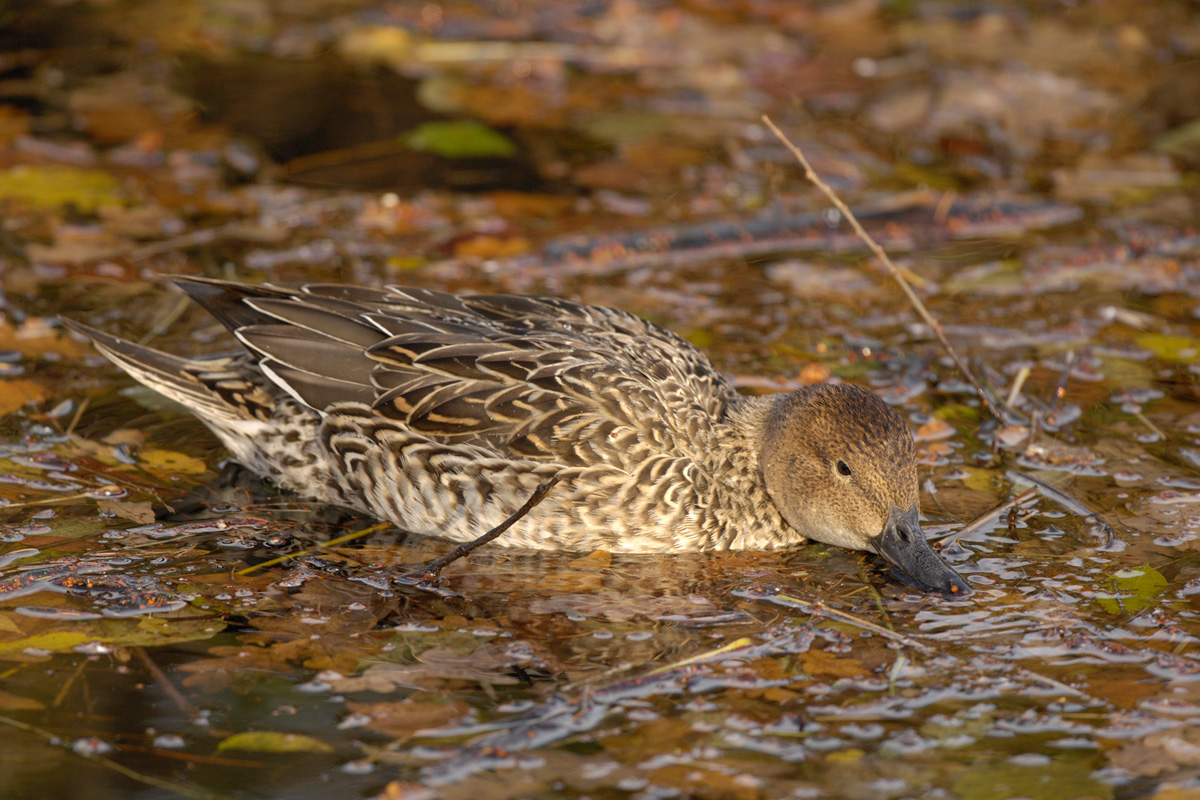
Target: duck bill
902,544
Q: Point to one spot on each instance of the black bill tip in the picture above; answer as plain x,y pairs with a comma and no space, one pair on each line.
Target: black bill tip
903,545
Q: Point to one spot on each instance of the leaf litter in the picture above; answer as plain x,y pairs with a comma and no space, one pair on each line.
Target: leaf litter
1057,246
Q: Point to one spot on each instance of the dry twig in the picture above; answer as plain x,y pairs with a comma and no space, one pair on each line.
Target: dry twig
895,271
428,572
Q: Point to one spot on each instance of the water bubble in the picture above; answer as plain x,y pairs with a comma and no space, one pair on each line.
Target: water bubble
862,732
355,720
168,741
236,544
108,493
1030,760
91,746
313,687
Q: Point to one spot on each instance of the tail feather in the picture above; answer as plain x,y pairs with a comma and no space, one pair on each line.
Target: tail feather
166,374
223,299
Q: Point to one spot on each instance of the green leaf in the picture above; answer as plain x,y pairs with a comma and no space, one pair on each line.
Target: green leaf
1135,589
461,139
1058,780
274,742
1181,349
1182,141
61,636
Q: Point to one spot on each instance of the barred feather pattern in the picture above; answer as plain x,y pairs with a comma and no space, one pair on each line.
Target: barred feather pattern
443,413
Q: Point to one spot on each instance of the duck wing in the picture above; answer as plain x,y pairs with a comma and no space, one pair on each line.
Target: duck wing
519,376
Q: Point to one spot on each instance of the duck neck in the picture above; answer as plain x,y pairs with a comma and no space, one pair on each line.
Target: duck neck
761,525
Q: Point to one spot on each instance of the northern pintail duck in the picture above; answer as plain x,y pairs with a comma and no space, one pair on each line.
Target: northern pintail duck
443,414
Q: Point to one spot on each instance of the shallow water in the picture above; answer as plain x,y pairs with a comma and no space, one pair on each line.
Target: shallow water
172,626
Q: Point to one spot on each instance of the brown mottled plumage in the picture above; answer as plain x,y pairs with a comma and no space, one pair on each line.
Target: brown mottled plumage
443,413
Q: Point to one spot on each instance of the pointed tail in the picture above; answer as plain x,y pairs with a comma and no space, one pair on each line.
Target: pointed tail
166,374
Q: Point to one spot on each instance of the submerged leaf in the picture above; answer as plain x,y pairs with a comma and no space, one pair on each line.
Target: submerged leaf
1136,589
274,742
460,139
1056,780
170,461
1168,347
86,189
16,393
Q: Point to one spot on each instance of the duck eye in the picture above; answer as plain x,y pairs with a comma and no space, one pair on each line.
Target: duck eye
843,468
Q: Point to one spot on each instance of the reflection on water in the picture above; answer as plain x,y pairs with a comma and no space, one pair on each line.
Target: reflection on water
172,626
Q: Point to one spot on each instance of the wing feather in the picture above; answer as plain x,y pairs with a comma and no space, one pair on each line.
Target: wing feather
519,376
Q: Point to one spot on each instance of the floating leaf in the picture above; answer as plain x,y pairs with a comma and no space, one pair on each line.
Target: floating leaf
1182,349
1057,780
60,636
933,430
460,139
50,186
170,461
274,742
826,664
19,392
140,512
406,717
1136,589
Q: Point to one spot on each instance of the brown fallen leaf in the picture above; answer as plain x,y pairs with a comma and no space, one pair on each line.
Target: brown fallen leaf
19,392
488,664
406,717
933,430
593,561
397,790
821,662
814,373
139,512
15,702
1158,753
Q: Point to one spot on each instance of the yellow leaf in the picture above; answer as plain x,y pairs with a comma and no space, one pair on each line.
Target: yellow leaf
274,742
55,642
170,461
981,480
1171,348
53,185
851,756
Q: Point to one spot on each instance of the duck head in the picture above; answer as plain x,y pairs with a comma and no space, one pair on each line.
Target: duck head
840,466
